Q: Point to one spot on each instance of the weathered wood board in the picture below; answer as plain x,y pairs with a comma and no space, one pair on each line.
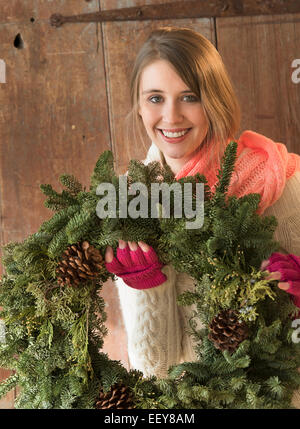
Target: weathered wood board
259,52
53,110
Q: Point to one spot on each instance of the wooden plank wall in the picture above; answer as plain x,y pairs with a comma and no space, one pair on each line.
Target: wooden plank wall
258,52
53,110
67,96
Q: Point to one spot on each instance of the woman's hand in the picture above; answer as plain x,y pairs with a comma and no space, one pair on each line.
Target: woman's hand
286,269
136,263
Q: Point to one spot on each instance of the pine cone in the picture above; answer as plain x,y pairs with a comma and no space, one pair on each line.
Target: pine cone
119,397
227,331
80,262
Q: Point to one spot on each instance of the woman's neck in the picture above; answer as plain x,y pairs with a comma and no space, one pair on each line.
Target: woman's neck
177,164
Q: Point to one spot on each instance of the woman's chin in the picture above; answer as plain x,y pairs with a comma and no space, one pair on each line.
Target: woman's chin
175,154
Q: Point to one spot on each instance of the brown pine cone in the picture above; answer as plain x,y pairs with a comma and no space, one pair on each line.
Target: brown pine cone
80,262
119,397
227,331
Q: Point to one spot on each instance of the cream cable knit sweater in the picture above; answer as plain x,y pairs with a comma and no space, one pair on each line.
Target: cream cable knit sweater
156,327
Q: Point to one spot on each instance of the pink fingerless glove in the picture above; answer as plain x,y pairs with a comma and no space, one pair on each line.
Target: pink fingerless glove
289,268
138,269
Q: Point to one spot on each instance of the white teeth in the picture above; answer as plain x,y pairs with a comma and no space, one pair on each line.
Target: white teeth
174,135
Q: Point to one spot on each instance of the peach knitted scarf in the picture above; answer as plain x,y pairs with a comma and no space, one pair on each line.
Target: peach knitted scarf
262,166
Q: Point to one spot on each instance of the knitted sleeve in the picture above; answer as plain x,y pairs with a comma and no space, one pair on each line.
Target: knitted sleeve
287,211
152,325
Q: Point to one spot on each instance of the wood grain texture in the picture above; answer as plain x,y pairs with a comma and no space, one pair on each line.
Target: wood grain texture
53,111
258,52
182,10
53,117
21,11
118,4
7,402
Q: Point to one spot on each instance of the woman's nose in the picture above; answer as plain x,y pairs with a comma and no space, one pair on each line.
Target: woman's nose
172,113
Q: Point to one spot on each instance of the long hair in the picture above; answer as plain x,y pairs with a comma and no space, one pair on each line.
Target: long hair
201,68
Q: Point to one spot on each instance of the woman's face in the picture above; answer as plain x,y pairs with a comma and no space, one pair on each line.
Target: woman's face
172,114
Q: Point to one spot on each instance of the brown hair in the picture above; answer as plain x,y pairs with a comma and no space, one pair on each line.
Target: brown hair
200,66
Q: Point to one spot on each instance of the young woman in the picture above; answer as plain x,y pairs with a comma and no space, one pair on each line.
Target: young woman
182,96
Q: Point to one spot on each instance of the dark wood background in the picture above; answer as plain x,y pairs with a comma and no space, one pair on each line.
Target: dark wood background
66,97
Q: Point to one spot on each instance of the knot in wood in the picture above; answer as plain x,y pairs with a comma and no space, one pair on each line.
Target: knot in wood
56,20
224,7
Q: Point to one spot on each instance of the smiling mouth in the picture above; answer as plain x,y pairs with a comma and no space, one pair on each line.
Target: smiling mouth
174,134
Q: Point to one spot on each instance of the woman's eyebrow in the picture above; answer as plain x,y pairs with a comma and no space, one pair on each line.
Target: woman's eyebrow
147,91
151,90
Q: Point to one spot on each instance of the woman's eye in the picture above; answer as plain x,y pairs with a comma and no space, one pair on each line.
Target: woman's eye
190,98
155,99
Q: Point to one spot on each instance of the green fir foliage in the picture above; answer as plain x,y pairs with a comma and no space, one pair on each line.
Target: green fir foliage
54,334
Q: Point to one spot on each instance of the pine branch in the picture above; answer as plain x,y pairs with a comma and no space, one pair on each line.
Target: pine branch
71,183
56,201
54,334
8,384
225,173
103,171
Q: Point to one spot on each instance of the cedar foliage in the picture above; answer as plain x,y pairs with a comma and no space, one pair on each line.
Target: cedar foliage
54,334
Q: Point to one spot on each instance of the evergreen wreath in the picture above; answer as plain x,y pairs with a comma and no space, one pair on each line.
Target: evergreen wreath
54,314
